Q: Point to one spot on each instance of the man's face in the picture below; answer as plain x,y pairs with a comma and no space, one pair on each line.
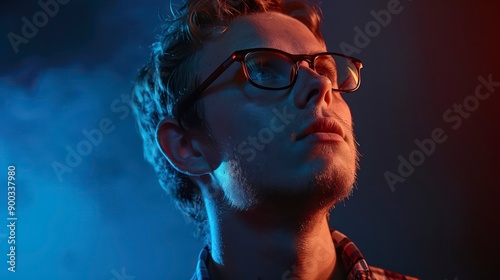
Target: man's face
264,149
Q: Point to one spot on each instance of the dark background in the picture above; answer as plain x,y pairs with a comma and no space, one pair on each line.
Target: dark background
108,218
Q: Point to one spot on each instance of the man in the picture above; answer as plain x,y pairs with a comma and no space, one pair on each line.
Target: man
241,113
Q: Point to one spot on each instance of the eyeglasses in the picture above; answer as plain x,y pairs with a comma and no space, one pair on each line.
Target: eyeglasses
273,69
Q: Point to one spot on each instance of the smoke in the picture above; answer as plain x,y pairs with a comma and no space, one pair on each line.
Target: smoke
88,206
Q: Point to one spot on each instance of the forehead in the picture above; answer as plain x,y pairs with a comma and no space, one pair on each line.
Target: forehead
266,30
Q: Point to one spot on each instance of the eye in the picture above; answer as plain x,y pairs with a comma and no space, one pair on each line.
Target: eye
269,69
325,66
264,73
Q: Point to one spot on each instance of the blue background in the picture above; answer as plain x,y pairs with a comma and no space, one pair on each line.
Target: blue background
108,218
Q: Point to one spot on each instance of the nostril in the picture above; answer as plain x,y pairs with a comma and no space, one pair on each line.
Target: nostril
312,94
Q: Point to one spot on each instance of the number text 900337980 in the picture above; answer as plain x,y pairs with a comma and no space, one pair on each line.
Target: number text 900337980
11,219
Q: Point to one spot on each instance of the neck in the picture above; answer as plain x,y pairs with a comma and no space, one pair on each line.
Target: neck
269,243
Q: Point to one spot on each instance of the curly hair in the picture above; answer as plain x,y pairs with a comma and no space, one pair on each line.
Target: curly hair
168,75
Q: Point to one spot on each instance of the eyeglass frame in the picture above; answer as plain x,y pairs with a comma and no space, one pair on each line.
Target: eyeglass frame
240,57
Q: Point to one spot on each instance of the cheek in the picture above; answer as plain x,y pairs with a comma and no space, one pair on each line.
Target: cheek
231,120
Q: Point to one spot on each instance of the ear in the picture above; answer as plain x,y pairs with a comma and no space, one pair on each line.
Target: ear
182,150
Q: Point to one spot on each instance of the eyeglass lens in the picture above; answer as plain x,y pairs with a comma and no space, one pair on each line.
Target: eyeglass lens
269,69
275,70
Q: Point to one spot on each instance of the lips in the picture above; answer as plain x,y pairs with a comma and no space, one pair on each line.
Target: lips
323,125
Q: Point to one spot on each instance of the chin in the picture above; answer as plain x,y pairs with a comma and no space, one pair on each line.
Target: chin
334,186
334,178
325,181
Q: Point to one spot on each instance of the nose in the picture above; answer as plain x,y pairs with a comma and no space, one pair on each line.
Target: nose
311,88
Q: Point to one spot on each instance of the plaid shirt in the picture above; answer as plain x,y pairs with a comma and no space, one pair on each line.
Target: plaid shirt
352,259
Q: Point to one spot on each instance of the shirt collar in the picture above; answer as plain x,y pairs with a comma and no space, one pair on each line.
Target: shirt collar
352,259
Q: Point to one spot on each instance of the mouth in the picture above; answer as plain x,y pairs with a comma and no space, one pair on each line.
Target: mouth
324,129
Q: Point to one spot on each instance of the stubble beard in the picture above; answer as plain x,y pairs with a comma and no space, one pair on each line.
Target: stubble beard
325,188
